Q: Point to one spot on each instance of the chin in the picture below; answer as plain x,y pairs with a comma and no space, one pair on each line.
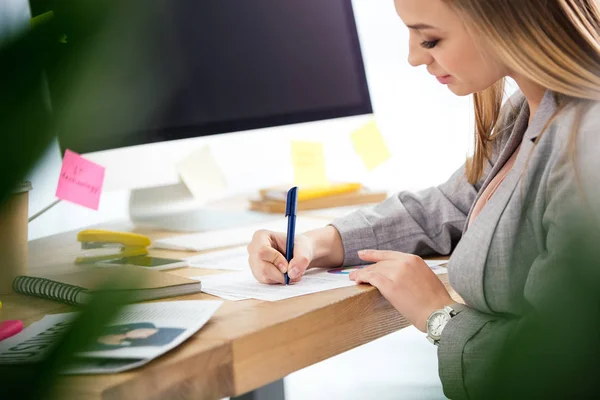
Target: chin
463,89
460,91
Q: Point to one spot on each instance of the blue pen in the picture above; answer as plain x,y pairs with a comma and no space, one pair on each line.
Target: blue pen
290,212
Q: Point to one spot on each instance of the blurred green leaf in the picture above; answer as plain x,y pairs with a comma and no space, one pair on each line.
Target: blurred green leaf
555,353
25,126
108,44
29,122
37,381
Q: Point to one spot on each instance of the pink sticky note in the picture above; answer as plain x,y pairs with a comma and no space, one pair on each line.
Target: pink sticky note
80,180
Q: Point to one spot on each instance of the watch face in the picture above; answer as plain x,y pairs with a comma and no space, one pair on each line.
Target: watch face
436,324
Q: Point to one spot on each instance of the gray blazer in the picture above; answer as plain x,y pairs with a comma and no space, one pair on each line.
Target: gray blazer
499,263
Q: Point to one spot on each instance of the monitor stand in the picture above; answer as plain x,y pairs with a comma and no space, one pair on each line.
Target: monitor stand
173,208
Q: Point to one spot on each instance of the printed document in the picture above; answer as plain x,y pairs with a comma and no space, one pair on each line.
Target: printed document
140,333
243,285
236,259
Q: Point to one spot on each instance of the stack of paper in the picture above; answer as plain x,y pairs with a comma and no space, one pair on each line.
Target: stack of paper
237,286
234,259
243,285
234,236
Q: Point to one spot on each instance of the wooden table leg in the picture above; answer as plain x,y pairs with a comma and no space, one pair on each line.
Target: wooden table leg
272,391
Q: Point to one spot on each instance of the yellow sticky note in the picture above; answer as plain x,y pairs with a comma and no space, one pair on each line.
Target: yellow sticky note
202,175
309,164
369,144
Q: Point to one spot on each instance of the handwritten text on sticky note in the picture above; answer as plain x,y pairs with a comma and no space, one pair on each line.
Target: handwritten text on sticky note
80,181
370,146
309,164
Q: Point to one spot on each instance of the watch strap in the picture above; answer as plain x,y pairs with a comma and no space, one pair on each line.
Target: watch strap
453,310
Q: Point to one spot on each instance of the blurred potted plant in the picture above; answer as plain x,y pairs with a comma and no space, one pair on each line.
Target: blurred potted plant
27,127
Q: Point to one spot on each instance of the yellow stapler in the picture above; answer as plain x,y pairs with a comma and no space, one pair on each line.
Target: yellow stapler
102,245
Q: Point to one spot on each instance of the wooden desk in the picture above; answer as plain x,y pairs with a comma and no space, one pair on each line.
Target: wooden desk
245,345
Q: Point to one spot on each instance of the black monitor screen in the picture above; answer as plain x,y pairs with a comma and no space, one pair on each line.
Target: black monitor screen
223,66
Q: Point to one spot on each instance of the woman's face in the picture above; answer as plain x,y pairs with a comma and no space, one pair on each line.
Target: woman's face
117,339
141,333
440,41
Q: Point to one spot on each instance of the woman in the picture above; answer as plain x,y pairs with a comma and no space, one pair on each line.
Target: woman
501,214
139,334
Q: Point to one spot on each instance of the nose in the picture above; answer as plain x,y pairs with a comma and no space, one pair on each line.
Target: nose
417,55
413,60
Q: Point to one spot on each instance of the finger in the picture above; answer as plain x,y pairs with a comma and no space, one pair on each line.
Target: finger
297,279
377,267
373,278
272,256
298,266
380,255
265,272
260,238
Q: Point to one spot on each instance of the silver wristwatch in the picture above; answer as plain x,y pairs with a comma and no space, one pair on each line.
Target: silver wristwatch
437,322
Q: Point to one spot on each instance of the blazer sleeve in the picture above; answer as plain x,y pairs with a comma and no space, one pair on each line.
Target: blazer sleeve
423,223
429,222
472,340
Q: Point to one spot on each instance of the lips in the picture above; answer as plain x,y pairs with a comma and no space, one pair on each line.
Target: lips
444,79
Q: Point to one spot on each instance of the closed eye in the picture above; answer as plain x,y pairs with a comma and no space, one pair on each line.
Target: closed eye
429,44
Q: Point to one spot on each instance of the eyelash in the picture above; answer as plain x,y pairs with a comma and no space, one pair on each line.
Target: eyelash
429,44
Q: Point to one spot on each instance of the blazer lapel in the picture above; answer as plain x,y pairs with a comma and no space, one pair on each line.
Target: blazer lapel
467,264
516,137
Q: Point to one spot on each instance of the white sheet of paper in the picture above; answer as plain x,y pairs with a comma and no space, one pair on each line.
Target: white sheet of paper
244,284
234,236
436,266
224,295
234,259
238,286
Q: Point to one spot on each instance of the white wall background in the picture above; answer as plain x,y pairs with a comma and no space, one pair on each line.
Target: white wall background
14,15
426,127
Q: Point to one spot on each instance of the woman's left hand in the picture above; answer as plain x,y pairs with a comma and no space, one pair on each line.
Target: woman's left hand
406,281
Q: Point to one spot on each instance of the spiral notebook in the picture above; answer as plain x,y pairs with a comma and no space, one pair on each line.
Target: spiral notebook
76,287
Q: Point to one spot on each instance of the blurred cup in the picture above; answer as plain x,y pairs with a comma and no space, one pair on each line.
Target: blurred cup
13,236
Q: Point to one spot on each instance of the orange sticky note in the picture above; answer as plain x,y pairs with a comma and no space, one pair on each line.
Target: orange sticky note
309,164
370,146
80,181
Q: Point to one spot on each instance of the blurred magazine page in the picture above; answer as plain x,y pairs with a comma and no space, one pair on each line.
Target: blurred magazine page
139,334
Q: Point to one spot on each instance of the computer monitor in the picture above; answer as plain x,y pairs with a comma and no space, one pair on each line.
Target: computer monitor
220,68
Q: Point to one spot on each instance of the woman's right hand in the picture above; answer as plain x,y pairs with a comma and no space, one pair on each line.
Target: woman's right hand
266,255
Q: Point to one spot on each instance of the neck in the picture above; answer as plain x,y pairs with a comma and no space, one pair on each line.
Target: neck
533,93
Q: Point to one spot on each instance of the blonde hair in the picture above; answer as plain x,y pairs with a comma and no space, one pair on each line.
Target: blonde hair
554,43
